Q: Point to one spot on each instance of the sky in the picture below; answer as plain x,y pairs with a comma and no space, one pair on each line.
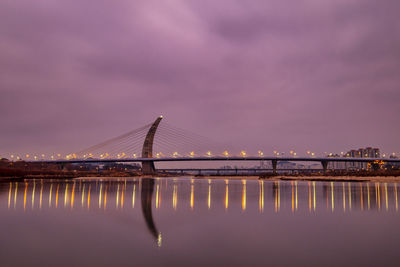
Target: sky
305,75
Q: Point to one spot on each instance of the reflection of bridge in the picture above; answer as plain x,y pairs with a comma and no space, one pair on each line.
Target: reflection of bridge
131,139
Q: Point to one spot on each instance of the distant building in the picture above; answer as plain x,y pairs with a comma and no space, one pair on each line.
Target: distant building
368,152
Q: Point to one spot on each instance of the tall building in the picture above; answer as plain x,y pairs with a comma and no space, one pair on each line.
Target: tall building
368,152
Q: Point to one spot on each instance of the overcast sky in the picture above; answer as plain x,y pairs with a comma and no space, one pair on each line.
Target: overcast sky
274,75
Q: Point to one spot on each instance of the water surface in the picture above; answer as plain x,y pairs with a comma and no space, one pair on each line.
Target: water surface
198,222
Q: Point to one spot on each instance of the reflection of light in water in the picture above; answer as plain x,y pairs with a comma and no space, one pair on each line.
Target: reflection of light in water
15,194
276,196
41,195
122,197
101,189
117,202
88,197
105,197
192,195
395,195
295,183
26,189
175,196
158,189
73,195
314,202
349,196
209,194
133,196
368,196
261,183
386,197
9,196
361,197
65,195
377,195
33,194
291,183
309,196
58,187
83,196
244,198
226,194
333,204
159,240
51,189
344,197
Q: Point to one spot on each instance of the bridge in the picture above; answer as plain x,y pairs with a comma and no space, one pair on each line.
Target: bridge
132,140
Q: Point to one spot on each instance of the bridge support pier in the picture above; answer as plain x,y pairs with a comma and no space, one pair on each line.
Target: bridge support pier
274,164
324,165
147,151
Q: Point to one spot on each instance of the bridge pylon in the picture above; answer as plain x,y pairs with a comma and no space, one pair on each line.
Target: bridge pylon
147,150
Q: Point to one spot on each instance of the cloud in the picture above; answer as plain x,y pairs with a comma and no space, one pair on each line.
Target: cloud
295,74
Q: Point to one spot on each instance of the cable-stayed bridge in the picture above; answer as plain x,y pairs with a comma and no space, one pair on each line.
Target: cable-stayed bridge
162,142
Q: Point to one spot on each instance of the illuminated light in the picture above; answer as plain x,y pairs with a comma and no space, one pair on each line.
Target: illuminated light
88,197
117,201
291,183
295,184
33,194
192,196
209,194
159,240
261,205
9,196
244,198
344,197
161,116
27,155
309,196
83,196
175,154
158,189
386,197
395,196
101,189
65,196
208,154
73,195
243,153
226,194
279,197
105,197
26,189
15,194
12,156
349,185
175,196
378,195
122,197
368,196
134,155
362,197
41,196
276,196
332,198
314,202
35,157
191,154
133,196
313,154
260,153
58,187
226,153
295,154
